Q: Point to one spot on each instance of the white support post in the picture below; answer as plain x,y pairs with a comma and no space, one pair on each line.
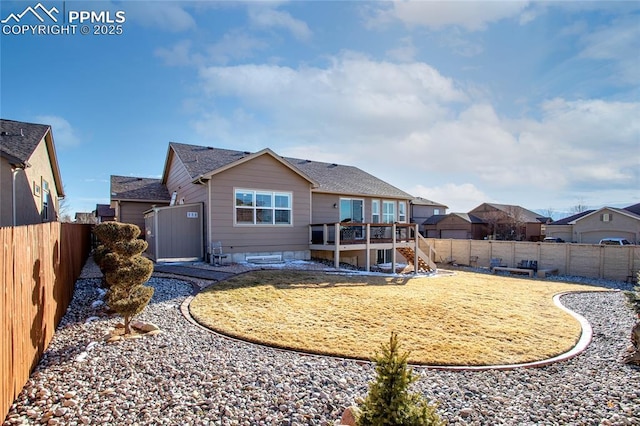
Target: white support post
368,250
336,253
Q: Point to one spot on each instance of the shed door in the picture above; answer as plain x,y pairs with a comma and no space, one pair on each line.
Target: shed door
180,232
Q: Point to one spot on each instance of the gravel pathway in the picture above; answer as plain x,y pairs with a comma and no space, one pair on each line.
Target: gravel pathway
187,375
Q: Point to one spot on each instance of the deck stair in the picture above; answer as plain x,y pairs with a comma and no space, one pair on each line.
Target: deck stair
424,263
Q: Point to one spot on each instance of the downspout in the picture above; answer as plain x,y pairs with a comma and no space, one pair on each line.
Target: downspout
14,172
209,234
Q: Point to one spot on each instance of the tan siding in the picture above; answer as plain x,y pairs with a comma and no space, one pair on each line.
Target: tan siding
261,173
178,180
41,170
28,204
591,229
323,211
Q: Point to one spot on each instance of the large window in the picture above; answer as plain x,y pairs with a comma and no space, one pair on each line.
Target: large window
388,211
262,207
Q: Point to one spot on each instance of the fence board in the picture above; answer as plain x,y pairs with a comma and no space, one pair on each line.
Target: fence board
585,260
38,266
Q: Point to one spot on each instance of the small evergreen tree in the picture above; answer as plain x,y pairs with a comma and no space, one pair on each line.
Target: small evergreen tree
389,402
634,300
124,268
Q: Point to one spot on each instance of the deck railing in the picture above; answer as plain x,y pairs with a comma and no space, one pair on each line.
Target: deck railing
346,236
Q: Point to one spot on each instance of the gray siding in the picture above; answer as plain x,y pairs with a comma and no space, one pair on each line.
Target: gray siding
133,212
175,233
261,173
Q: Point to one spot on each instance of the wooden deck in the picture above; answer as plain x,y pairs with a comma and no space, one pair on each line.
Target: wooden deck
348,237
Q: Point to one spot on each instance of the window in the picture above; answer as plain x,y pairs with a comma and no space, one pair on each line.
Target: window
375,211
388,211
606,217
262,207
436,211
45,200
402,211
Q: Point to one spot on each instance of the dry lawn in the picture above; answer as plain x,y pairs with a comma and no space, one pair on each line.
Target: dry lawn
462,319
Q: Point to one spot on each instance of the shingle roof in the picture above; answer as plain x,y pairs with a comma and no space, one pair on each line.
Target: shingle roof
419,201
566,220
18,140
104,210
434,219
464,216
330,177
525,215
137,188
635,208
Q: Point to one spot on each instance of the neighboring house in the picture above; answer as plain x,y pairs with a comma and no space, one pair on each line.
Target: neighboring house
104,213
132,196
261,205
563,228
463,226
508,222
30,181
422,209
82,217
606,222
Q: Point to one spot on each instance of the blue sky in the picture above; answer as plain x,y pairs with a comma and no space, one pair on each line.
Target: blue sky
463,102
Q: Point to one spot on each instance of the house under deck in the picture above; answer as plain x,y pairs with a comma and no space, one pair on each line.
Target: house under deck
349,238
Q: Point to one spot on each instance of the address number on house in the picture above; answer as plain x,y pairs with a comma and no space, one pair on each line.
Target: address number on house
192,215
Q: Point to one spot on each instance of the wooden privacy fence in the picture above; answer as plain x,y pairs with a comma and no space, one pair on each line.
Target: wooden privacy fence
39,265
585,260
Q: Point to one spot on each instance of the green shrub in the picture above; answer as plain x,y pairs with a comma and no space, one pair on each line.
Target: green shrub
389,402
124,269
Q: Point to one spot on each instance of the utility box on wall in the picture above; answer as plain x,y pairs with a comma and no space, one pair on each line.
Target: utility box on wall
175,233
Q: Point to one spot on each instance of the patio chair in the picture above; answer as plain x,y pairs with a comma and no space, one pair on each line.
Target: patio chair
216,253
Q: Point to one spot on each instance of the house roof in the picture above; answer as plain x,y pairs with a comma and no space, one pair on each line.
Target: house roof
635,208
326,177
104,210
18,141
419,201
133,188
614,209
434,219
566,220
526,215
464,216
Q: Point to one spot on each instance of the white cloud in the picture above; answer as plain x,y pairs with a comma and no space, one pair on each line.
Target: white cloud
64,135
470,15
459,198
169,16
410,125
179,54
268,17
405,52
617,43
232,46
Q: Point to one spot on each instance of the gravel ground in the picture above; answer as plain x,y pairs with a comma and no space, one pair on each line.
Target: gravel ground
188,375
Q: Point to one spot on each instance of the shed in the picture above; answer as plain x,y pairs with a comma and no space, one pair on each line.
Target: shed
175,233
